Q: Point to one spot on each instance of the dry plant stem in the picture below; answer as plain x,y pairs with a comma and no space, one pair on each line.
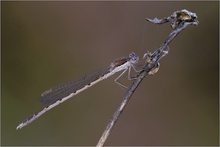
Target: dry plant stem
149,66
117,113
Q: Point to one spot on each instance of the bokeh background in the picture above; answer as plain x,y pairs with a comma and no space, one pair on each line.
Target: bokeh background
48,43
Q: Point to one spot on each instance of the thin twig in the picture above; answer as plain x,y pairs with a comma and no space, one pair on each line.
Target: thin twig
179,21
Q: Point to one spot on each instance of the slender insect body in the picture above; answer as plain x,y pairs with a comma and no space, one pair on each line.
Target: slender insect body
55,96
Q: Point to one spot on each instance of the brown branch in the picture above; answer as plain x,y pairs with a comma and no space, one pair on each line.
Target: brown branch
179,21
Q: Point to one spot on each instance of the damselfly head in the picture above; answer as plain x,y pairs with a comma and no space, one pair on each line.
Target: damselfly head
133,58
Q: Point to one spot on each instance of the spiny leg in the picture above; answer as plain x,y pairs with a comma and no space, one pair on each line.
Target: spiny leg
129,76
116,80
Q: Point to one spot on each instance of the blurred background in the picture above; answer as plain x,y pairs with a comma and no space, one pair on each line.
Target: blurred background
47,43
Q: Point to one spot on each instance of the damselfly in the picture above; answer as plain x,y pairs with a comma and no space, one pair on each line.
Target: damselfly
61,93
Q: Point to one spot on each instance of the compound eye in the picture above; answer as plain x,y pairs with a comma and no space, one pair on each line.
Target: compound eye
133,57
132,54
